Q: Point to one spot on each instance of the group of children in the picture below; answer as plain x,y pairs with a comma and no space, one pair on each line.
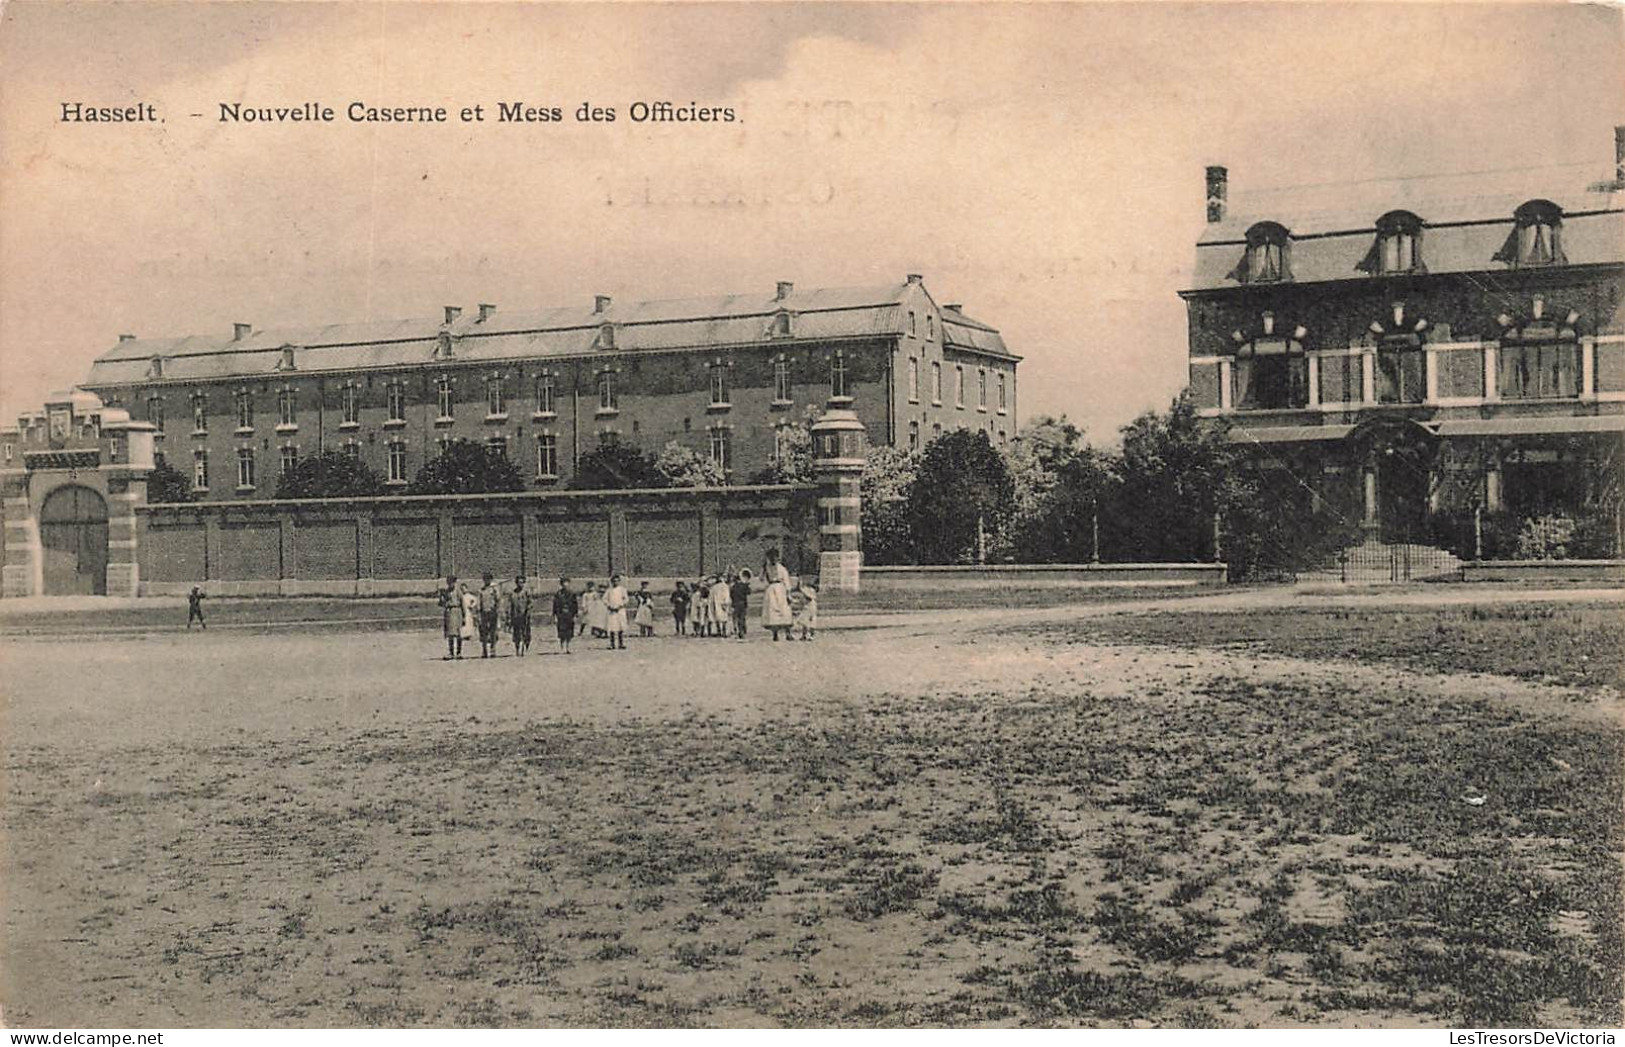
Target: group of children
714,606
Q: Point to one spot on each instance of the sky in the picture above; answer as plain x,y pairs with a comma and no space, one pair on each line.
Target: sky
1040,163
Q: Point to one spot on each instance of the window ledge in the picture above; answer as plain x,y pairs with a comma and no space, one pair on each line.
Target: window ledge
394,483
1002,411
544,416
607,412
241,489
725,405
199,490
243,430
288,427
349,426
840,400
200,432
547,478
779,405
395,423
914,399
496,419
981,410
936,403
444,420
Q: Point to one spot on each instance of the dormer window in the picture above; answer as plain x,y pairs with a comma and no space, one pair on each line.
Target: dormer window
1268,255
1536,237
606,336
156,370
781,325
1398,247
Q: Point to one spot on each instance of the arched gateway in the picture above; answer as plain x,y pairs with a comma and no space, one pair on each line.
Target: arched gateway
73,542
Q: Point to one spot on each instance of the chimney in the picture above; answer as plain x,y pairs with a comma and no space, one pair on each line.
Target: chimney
915,278
1218,188
600,303
126,337
1619,156
452,313
785,288
486,309
241,331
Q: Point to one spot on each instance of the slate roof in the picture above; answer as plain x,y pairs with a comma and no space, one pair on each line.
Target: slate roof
663,324
1462,230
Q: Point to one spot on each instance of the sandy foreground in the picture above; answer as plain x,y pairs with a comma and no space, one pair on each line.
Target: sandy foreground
944,819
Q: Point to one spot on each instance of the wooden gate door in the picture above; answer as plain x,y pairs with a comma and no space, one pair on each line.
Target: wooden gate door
73,535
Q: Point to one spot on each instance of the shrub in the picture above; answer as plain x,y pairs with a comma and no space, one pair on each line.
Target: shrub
617,466
167,485
465,467
331,474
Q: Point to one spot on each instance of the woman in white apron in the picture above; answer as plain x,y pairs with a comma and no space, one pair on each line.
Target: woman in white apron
471,616
776,597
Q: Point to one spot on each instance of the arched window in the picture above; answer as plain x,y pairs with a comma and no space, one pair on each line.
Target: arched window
1536,238
1270,371
1539,356
1398,247
1268,258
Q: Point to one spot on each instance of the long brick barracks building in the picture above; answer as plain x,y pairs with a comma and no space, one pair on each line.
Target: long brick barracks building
1430,356
719,375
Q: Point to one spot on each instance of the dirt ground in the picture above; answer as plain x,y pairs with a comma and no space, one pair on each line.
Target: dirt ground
920,819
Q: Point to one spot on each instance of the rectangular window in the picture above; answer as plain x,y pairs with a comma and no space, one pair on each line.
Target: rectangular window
911,329
722,448
245,468
914,436
781,381
981,388
936,383
397,402
200,413
959,385
1002,403
290,458
442,444
547,456
397,461
350,402
497,445
200,470
1544,371
1270,382
608,438
719,384
495,402
352,448
1401,375
930,327
442,395
245,409
544,394
936,430
913,380
837,374
155,412
287,408
606,391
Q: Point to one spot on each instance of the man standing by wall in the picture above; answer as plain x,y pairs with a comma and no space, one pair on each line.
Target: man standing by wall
490,614
519,603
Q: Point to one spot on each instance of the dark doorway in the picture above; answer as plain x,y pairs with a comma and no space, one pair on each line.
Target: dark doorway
1402,493
73,537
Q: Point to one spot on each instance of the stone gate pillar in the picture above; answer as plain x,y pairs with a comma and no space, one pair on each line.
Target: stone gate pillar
838,453
23,574
127,461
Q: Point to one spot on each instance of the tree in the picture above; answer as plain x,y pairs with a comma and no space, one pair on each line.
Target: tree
331,474
681,466
961,492
793,459
167,485
888,477
1174,472
616,466
465,467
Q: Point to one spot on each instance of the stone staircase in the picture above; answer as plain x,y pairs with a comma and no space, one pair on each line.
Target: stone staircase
1375,562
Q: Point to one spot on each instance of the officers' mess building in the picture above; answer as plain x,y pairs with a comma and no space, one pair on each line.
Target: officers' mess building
1433,355
720,375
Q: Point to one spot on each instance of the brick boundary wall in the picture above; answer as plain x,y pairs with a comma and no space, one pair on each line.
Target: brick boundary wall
1606,572
406,544
1009,576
